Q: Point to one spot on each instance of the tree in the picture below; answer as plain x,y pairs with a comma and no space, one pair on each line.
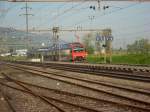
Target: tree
92,44
87,41
139,46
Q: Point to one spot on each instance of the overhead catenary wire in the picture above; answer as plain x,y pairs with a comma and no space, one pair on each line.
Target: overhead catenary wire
96,17
54,18
133,27
79,10
59,8
133,33
66,11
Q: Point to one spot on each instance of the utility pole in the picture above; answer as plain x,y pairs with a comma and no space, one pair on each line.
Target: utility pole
56,44
27,26
26,14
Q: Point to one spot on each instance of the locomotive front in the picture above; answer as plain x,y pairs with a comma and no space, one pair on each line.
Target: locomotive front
78,52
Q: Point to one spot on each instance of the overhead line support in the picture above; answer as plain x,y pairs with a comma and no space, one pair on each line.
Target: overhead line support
27,20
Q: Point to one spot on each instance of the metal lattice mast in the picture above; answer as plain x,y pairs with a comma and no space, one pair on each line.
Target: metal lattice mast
26,14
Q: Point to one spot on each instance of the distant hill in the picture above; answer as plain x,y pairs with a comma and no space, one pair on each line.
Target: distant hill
11,38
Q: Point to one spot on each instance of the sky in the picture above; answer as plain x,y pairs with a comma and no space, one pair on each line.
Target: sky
128,20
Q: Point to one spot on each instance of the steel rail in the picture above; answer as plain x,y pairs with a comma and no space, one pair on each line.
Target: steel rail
95,71
6,98
68,93
104,73
80,85
139,90
26,90
21,83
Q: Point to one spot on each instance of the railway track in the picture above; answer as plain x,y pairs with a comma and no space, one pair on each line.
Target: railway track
95,71
22,84
90,81
38,72
26,90
108,67
128,65
6,98
98,70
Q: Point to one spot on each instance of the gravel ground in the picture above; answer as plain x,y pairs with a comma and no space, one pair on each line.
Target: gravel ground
108,89
4,107
23,102
82,101
124,82
65,87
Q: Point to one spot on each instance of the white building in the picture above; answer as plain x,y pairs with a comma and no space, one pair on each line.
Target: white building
21,52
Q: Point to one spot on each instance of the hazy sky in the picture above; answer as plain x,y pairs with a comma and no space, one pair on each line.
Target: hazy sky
128,20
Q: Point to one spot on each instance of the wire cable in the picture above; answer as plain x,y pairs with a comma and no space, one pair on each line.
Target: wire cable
120,9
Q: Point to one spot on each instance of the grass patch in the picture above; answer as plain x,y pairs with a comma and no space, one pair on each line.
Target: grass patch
94,59
13,58
122,59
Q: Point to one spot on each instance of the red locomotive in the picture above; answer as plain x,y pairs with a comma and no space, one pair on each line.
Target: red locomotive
74,52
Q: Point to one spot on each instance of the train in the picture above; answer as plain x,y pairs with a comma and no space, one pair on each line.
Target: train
65,52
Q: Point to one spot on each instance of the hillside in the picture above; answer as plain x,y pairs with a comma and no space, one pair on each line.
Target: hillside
11,38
